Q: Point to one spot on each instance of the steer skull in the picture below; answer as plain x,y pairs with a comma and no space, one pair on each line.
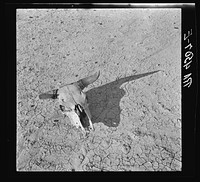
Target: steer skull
73,101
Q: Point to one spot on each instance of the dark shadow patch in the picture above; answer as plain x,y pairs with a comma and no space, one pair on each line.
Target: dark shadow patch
109,96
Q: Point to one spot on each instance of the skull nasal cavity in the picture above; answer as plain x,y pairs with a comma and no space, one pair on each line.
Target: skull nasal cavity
82,115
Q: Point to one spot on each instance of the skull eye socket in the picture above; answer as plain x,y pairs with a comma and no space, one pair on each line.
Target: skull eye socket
62,108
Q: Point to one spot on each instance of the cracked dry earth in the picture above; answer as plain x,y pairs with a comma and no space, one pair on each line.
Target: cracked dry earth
135,103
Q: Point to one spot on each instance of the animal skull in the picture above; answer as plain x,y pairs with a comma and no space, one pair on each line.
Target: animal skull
73,101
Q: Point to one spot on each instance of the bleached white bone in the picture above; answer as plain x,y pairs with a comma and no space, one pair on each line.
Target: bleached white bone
73,101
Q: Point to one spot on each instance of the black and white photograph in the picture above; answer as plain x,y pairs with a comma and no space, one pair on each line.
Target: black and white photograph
99,89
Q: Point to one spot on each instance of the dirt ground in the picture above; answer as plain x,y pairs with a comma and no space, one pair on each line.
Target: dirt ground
135,103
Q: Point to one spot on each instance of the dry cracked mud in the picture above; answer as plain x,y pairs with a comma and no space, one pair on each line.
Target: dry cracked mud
135,103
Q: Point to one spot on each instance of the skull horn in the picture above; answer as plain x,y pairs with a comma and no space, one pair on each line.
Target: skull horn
49,95
88,80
